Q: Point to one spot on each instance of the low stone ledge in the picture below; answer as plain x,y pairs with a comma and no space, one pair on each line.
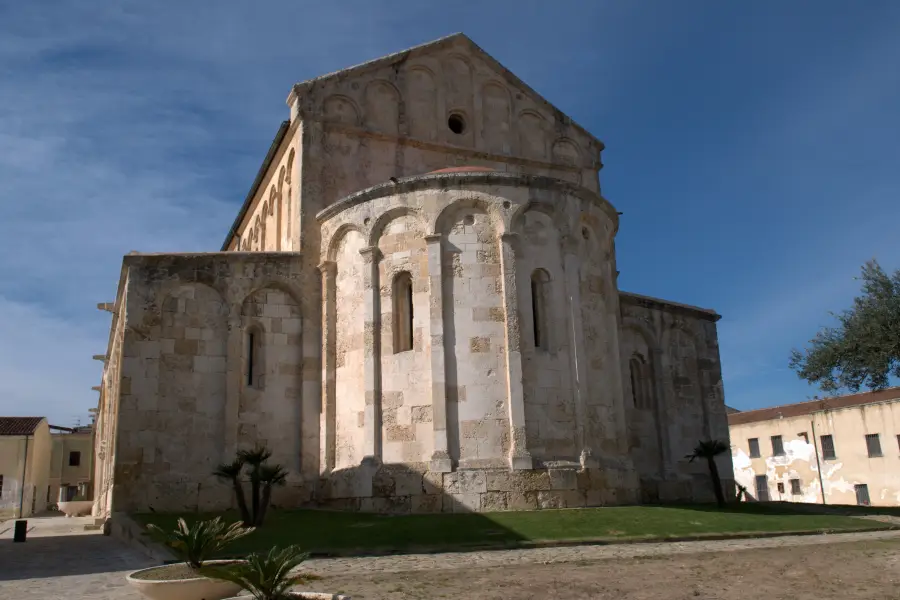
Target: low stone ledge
123,527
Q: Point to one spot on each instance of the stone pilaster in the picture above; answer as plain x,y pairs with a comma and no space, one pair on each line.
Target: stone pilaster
440,459
663,418
327,416
519,457
234,373
577,356
372,361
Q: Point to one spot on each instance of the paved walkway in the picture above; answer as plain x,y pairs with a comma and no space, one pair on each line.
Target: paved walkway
61,560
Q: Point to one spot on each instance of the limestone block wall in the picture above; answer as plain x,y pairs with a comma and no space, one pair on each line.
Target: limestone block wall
185,400
350,390
673,393
271,221
106,424
406,412
548,386
477,390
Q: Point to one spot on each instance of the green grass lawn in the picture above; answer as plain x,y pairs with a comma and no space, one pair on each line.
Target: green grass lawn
339,532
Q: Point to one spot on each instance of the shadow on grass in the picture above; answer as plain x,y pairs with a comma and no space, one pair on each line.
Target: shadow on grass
340,533
802,508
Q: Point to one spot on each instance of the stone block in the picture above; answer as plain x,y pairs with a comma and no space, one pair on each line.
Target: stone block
408,484
392,505
471,482
433,482
462,503
494,501
517,481
563,479
522,501
426,503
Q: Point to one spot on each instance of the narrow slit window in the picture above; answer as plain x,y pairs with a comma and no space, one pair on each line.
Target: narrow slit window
254,368
251,350
403,312
539,285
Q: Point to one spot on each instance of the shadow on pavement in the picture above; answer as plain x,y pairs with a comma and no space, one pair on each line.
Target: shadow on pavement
58,556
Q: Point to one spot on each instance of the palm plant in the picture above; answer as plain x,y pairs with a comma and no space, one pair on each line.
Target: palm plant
263,477
232,472
266,577
269,476
710,449
196,543
741,492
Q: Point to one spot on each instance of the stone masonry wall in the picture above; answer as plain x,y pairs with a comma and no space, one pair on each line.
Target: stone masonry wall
680,346
406,429
183,403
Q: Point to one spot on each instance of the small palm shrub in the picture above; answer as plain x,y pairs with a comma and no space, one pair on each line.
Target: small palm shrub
263,477
265,576
196,543
709,450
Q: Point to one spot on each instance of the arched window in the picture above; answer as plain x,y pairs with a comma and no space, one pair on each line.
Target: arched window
539,290
254,366
403,312
641,383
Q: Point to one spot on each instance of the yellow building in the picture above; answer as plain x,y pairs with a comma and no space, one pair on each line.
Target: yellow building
25,449
848,446
70,464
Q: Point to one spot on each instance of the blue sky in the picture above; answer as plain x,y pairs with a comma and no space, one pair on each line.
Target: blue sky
751,146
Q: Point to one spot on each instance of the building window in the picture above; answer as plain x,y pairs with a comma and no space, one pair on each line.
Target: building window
777,446
802,435
403,312
754,447
795,487
898,440
74,459
762,488
828,447
1,486
641,382
48,494
254,366
539,284
862,494
873,445
780,486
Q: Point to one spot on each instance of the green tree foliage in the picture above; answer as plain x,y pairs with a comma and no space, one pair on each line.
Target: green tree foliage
863,350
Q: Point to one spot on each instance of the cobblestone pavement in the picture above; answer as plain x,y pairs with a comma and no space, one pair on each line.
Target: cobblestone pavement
495,558
61,560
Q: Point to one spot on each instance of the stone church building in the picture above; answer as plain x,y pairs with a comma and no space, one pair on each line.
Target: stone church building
416,310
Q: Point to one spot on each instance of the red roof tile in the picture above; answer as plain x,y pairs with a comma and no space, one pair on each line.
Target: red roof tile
19,425
806,408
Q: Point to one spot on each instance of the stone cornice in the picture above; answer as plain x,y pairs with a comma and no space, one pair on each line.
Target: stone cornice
465,180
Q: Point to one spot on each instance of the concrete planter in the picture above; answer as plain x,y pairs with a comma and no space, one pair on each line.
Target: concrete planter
76,508
196,588
303,596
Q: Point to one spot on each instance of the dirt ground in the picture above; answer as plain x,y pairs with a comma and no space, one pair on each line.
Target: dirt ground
851,570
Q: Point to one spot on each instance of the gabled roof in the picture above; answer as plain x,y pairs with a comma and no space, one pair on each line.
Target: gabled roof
431,48
19,425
